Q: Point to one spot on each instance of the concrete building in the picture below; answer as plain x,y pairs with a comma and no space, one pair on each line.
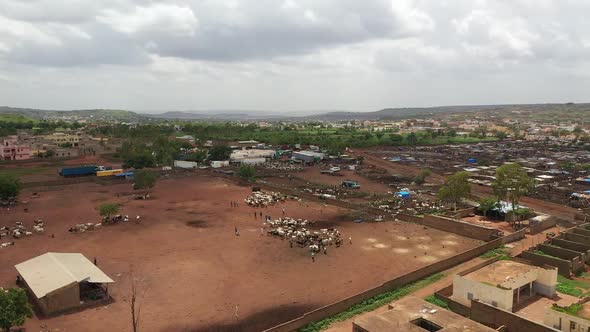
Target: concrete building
60,282
62,138
251,157
505,284
412,314
575,318
307,156
13,150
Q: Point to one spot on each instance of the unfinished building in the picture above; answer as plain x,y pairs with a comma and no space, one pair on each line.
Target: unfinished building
414,314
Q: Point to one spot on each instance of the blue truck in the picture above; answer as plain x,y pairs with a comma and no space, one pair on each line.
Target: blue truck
78,171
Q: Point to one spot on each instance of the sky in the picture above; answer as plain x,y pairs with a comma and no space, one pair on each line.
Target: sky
291,55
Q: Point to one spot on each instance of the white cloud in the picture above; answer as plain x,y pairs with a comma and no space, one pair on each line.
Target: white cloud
346,54
168,18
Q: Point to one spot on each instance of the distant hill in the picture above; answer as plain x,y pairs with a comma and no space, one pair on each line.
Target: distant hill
405,113
92,114
546,111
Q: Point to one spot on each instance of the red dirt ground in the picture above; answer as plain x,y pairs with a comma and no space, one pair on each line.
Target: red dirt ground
312,174
195,275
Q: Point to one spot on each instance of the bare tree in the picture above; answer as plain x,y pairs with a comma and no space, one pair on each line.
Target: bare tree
138,289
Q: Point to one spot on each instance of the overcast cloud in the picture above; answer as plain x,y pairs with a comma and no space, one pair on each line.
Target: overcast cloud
285,55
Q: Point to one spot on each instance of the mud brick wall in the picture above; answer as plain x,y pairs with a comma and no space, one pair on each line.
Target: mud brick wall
491,316
564,267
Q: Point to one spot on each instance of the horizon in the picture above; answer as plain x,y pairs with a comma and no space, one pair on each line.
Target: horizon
306,112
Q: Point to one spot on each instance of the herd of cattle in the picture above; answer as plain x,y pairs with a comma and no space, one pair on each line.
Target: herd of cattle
19,230
110,220
264,199
296,232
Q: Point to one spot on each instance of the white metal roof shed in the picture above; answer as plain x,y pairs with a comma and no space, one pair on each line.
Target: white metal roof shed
52,271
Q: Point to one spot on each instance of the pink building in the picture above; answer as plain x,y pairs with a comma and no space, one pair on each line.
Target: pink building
11,150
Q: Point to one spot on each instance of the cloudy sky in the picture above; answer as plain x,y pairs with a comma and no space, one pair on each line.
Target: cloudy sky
286,55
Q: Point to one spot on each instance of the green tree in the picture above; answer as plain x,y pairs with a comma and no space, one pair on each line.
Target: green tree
456,188
487,204
14,308
247,172
10,186
421,177
501,135
412,138
396,139
49,153
108,209
219,152
512,182
144,179
197,156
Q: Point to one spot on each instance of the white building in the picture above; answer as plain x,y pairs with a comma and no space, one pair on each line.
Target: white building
577,317
505,284
251,157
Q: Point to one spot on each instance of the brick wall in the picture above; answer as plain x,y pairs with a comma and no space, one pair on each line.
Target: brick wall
564,267
454,226
582,248
543,225
496,317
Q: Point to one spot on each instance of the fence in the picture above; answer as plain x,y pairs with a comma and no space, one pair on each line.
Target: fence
491,316
454,226
340,306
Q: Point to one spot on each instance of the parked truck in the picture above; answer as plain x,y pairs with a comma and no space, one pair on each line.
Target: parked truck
78,171
110,172
351,184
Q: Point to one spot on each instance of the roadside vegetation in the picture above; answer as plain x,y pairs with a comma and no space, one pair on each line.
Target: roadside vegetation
572,287
502,252
438,302
372,303
10,186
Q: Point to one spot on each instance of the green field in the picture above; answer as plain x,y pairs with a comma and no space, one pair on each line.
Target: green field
15,118
22,171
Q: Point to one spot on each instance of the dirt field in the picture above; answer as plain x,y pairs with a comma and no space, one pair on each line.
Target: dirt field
197,272
312,174
40,170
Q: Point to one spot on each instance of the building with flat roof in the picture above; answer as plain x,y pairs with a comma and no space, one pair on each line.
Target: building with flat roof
505,284
412,314
575,317
60,282
253,156
12,149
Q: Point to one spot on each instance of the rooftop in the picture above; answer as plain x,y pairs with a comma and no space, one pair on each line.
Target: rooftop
406,312
52,271
500,272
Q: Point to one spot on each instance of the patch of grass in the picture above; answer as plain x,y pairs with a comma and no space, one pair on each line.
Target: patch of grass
436,301
21,171
572,287
570,310
540,252
501,252
372,303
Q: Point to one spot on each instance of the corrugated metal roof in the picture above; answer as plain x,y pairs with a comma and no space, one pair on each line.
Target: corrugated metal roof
52,271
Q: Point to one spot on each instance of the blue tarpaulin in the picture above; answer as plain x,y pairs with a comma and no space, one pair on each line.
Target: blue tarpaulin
402,194
125,174
472,160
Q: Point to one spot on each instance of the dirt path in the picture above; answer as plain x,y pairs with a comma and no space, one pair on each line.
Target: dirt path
397,168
